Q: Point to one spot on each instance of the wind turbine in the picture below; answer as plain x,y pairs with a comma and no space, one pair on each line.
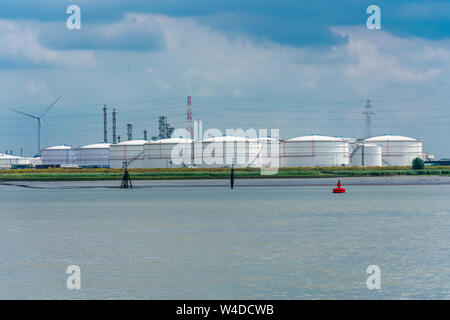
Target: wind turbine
39,120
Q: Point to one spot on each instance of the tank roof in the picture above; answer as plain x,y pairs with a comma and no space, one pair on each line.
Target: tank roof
60,147
96,146
9,156
314,137
389,137
132,143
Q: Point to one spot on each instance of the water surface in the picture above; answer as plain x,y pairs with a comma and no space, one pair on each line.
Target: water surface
210,242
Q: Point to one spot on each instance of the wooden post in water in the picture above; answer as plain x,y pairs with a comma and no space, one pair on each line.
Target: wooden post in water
232,177
126,180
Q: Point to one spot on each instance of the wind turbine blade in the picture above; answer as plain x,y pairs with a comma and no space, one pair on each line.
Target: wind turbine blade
24,113
50,106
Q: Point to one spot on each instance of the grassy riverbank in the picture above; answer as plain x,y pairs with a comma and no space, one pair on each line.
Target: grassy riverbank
219,173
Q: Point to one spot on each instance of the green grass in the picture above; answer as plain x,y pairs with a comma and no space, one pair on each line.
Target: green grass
219,173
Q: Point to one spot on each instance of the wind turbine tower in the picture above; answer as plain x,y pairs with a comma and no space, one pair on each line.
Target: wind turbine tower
39,121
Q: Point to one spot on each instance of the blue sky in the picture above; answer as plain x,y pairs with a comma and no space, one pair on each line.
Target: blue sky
301,66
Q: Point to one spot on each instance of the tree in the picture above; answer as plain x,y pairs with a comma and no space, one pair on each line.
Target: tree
418,164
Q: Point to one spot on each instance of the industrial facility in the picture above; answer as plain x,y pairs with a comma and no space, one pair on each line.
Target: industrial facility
306,151
166,151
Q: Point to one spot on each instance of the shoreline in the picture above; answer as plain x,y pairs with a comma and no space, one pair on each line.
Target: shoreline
54,175
243,183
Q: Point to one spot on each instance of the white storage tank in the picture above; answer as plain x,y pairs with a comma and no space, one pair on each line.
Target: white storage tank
7,160
63,155
314,151
264,152
366,155
169,153
398,150
224,151
93,155
131,151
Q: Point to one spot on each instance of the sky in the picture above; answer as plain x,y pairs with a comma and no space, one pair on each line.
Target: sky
303,67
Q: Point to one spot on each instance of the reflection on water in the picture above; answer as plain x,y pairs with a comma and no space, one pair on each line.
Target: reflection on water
217,243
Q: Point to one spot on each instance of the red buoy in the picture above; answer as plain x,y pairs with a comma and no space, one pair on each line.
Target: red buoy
339,189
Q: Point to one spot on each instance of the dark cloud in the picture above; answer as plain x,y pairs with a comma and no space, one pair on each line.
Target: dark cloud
292,22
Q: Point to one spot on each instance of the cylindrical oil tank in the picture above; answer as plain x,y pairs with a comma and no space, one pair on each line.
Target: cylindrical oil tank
398,150
131,151
169,153
314,151
264,152
225,151
366,155
93,155
7,161
63,155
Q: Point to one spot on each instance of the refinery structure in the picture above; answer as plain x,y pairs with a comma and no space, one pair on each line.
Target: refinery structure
303,151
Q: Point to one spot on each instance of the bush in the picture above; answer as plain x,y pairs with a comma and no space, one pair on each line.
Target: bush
418,164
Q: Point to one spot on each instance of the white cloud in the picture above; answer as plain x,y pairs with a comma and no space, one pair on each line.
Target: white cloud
39,90
208,62
379,57
20,47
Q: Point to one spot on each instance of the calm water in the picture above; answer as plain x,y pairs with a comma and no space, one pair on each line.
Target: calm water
216,243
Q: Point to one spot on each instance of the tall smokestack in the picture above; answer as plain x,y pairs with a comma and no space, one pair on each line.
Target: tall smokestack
129,131
105,124
145,134
114,116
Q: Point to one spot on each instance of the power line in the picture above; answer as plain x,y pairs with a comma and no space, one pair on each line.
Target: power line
251,117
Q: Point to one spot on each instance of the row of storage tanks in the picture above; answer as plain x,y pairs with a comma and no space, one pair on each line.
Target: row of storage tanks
305,151
93,155
8,161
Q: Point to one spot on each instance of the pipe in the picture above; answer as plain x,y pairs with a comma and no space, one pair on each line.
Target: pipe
105,124
114,118
129,131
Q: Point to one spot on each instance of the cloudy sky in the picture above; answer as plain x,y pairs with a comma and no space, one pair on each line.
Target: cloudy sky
301,66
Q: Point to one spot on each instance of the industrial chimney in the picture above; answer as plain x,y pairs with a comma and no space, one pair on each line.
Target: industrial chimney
145,134
129,131
114,116
105,124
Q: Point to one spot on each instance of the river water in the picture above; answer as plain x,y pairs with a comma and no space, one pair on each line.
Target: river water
210,242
